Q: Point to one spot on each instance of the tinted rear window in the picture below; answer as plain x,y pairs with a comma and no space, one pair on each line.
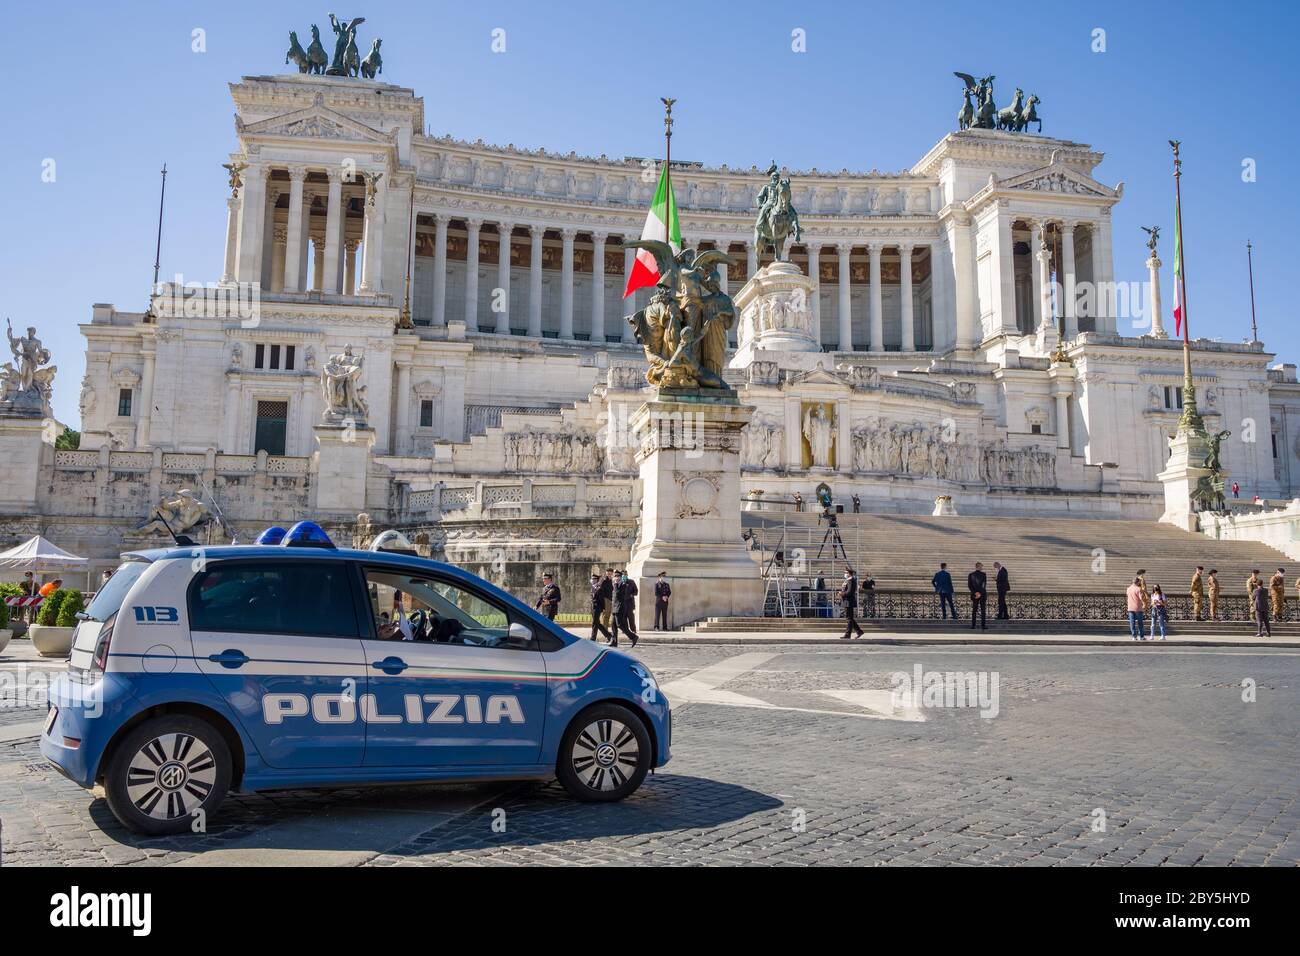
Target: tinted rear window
312,598
108,599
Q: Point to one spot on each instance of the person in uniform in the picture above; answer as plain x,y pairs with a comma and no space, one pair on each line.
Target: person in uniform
663,591
1197,592
625,592
549,600
849,601
607,599
1213,589
1002,582
598,587
1277,591
1252,583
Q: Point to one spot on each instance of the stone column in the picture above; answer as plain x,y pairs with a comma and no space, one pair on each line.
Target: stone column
1044,256
751,260
877,305
440,269
629,256
845,341
905,296
814,273
598,286
566,283
294,229
724,275
1103,276
535,281
372,247
318,263
278,241
1067,278
252,223
350,266
504,230
1035,273
1063,419
963,294
231,430
1157,320
401,440
472,227
333,217
146,399
232,239
413,227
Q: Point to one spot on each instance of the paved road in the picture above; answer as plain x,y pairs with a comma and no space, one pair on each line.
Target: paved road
803,755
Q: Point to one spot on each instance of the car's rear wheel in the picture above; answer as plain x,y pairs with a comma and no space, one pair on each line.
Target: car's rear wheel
605,754
166,774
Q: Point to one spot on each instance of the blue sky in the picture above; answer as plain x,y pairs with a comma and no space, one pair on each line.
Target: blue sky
111,91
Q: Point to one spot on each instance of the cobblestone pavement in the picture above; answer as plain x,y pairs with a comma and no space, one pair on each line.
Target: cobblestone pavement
1158,746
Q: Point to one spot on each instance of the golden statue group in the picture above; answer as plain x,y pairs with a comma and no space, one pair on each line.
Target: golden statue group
684,328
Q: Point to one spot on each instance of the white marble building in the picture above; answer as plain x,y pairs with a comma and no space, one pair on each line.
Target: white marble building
932,303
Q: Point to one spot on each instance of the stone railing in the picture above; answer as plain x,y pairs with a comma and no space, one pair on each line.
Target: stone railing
524,498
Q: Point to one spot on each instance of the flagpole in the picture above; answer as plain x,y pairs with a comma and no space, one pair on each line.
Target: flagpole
669,204
1190,420
1250,266
157,251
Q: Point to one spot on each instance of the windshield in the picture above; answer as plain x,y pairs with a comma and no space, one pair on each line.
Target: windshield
108,599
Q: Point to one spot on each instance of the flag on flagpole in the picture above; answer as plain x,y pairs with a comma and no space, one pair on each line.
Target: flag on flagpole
661,223
1178,271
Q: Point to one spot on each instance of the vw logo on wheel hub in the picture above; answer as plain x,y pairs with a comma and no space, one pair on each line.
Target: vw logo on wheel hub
171,776
606,755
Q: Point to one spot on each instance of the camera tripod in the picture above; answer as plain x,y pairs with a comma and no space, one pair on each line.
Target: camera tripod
832,536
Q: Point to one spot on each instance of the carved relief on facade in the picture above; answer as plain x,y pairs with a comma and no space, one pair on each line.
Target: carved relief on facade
761,442
560,452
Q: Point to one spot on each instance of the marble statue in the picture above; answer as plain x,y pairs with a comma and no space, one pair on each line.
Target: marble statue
684,328
761,442
777,219
27,383
819,429
340,384
175,515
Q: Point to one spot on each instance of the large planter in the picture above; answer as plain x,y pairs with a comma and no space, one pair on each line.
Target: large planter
51,641
5,634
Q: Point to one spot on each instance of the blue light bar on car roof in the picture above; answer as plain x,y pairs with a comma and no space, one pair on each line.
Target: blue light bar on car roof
272,535
306,534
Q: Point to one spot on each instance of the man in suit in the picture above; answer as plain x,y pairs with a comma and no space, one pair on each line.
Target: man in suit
625,592
598,587
663,591
977,582
1002,582
549,600
849,601
942,582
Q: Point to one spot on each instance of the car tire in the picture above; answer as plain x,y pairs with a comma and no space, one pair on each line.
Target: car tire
165,771
605,754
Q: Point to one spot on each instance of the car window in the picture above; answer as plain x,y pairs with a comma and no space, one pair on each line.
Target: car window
108,599
311,598
409,607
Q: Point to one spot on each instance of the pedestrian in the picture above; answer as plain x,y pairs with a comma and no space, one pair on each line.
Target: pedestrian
1146,592
1259,601
942,582
663,591
1212,589
977,582
849,601
857,504
625,592
28,589
49,587
867,594
1253,583
1002,582
548,602
1198,592
607,596
1277,592
598,586
1236,490
1136,609
798,501
1159,613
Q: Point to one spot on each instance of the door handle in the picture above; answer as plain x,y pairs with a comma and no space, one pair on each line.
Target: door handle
230,658
390,665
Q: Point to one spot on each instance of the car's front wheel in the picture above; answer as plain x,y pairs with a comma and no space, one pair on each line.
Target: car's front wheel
605,754
166,774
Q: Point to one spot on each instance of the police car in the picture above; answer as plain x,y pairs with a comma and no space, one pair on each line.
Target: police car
293,663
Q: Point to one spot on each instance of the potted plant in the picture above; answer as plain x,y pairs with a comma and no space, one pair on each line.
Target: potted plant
5,632
15,627
49,635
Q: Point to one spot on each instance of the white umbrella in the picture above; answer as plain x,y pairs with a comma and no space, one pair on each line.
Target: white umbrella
37,554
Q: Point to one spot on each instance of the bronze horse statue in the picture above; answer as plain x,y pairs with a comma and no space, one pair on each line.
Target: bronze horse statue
1029,115
778,223
1009,117
373,63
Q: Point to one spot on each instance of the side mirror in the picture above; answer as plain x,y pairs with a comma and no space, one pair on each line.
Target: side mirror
520,632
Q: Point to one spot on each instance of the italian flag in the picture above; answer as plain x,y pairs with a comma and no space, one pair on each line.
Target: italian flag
1178,272
662,224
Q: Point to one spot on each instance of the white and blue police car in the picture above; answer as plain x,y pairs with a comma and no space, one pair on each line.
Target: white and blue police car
293,663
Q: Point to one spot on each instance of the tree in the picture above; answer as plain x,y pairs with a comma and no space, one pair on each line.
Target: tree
70,440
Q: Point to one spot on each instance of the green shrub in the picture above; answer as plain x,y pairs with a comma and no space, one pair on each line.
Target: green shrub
49,612
4,614
72,603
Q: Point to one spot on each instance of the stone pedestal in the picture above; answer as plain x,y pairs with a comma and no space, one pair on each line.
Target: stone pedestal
1182,472
24,441
689,460
342,463
775,310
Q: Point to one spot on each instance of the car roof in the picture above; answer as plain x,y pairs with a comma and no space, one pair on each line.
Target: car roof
229,552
